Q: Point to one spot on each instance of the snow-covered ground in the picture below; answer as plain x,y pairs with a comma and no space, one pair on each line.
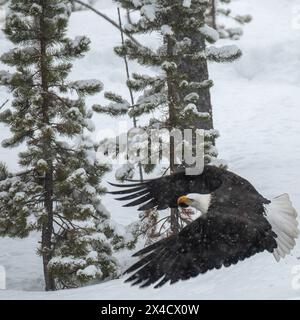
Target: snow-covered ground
257,110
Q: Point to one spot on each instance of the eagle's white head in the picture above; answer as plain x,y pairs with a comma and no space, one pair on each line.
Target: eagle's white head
198,201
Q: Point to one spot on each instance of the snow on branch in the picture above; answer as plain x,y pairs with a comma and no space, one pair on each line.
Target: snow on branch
117,107
142,54
223,54
83,87
77,47
192,109
125,172
5,78
210,34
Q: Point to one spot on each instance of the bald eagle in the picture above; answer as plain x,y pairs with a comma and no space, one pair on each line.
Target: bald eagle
236,223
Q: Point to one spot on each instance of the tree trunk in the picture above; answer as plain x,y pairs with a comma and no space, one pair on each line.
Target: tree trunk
194,72
198,72
175,226
172,100
47,228
47,232
211,18
214,14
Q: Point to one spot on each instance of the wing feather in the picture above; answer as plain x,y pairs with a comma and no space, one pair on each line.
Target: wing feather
126,185
134,195
127,191
235,228
138,201
165,191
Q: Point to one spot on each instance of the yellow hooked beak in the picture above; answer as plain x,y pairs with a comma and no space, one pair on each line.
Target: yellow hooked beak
184,200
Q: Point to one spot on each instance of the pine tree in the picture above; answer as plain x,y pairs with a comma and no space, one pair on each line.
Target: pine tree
57,191
177,92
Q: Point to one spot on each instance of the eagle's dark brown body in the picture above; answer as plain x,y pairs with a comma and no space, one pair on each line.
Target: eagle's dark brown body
234,228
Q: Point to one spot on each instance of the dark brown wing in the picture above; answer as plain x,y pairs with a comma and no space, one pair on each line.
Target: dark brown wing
162,193
221,238
234,229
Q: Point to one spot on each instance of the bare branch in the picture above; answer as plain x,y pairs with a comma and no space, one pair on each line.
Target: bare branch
104,16
3,104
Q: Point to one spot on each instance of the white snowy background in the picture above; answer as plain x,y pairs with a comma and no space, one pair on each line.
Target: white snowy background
257,110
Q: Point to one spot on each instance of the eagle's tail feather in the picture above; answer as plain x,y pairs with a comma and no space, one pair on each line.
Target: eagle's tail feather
283,218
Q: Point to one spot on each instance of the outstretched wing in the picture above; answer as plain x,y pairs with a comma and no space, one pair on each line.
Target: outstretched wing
222,238
234,228
162,193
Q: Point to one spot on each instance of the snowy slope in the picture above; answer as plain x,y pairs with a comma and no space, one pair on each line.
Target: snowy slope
256,105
